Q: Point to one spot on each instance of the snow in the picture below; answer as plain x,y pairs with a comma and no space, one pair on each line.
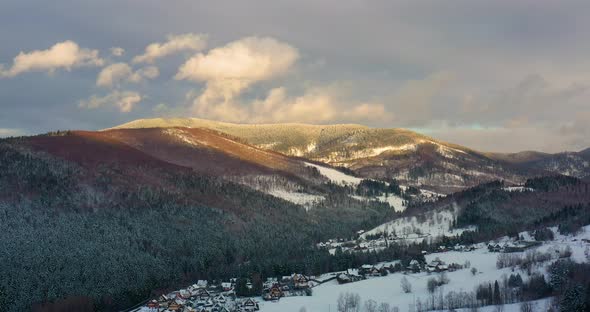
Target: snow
303,199
381,150
394,201
517,189
336,176
537,305
388,288
436,223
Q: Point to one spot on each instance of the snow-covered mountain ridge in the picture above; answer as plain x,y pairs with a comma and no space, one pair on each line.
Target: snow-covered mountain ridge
380,153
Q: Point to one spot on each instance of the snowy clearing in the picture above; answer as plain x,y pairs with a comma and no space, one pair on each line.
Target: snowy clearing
336,176
394,201
303,199
434,223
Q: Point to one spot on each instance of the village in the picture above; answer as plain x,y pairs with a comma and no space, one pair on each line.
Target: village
204,296
214,296
211,297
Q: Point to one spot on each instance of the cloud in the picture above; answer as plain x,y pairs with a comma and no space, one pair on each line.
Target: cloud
315,105
124,101
10,132
116,73
235,66
148,72
230,69
175,43
117,51
65,55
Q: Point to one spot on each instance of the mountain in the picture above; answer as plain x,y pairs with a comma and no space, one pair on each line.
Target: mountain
409,157
576,164
520,157
98,220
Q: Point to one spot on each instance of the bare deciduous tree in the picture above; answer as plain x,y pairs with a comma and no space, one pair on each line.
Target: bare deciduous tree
406,286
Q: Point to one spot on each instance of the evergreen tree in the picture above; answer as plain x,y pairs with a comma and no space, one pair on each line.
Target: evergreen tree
497,297
4,302
573,300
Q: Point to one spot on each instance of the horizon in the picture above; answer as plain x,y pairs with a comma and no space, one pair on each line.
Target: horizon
121,126
499,76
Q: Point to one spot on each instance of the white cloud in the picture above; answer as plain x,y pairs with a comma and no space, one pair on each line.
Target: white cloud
175,43
9,132
249,59
65,55
116,73
316,105
124,101
230,69
113,74
117,51
148,72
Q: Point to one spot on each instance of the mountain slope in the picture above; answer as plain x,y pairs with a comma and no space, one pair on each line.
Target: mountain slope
576,164
408,156
100,220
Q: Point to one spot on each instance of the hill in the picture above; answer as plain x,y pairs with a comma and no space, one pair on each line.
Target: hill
410,157
102,219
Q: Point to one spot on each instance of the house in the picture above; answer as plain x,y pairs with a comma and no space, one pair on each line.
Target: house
184,294
494,248
343,278
275,292
154,304
250,305
220,299
203,294
300,281
348,277
365,269
436,265
219,308
174,307
202,284
226,286
163,298
375,271
519,246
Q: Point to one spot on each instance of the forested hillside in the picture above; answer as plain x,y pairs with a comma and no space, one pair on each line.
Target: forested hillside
497,209
105,229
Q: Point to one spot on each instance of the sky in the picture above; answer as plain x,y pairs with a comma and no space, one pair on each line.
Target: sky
502,75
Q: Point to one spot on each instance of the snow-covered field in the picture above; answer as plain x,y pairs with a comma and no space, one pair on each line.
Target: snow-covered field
302,199
435,223
537,305
394,201
336,176
388,288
